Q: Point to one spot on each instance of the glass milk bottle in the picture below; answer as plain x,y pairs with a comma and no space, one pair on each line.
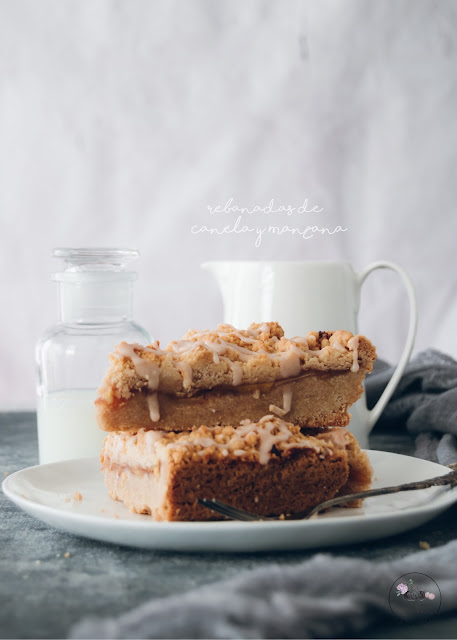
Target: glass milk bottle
96,299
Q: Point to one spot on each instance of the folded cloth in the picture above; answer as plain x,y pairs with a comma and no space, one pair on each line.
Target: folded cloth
425,401
324,597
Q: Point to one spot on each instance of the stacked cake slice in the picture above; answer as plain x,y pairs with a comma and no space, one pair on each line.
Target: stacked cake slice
246,416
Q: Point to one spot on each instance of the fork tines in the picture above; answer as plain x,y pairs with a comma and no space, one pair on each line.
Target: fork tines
227,510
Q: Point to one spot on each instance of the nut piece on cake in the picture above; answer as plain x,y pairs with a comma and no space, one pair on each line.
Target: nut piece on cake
268,467
224,376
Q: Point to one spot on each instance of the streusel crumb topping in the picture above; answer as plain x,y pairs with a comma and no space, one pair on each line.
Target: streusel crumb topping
254,441
228,356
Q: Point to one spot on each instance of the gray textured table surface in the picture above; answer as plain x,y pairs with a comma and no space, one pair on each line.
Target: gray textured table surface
42,593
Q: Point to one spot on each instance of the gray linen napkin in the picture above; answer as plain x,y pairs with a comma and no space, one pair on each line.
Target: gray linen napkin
325,596
425,401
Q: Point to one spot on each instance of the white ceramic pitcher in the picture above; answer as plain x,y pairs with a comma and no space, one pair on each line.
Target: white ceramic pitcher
309,296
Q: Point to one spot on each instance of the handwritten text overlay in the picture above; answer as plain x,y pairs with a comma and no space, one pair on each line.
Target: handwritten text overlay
258,228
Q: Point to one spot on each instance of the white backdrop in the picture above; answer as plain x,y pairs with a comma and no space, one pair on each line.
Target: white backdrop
120,122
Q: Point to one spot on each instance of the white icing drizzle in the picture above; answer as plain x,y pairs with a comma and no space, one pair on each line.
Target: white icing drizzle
337,436
289,360
144,368
152,436
271,432
233,331
353,343
215,351
217,346
125,445
301,340
202,441
269,439
287,402
237,371
287,394
154,409
186,370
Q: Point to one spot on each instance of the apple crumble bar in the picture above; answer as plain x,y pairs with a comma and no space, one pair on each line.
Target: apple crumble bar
267,467
227,375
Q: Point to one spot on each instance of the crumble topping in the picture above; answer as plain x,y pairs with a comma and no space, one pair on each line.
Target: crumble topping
256,441
203,360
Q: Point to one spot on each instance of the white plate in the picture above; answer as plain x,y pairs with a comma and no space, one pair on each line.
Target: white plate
46,492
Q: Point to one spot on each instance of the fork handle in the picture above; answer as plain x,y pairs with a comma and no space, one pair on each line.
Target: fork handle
449,478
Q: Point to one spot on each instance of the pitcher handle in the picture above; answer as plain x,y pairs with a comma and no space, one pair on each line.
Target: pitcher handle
374,414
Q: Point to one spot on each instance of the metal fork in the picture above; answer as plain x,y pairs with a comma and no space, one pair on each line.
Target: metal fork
449,480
